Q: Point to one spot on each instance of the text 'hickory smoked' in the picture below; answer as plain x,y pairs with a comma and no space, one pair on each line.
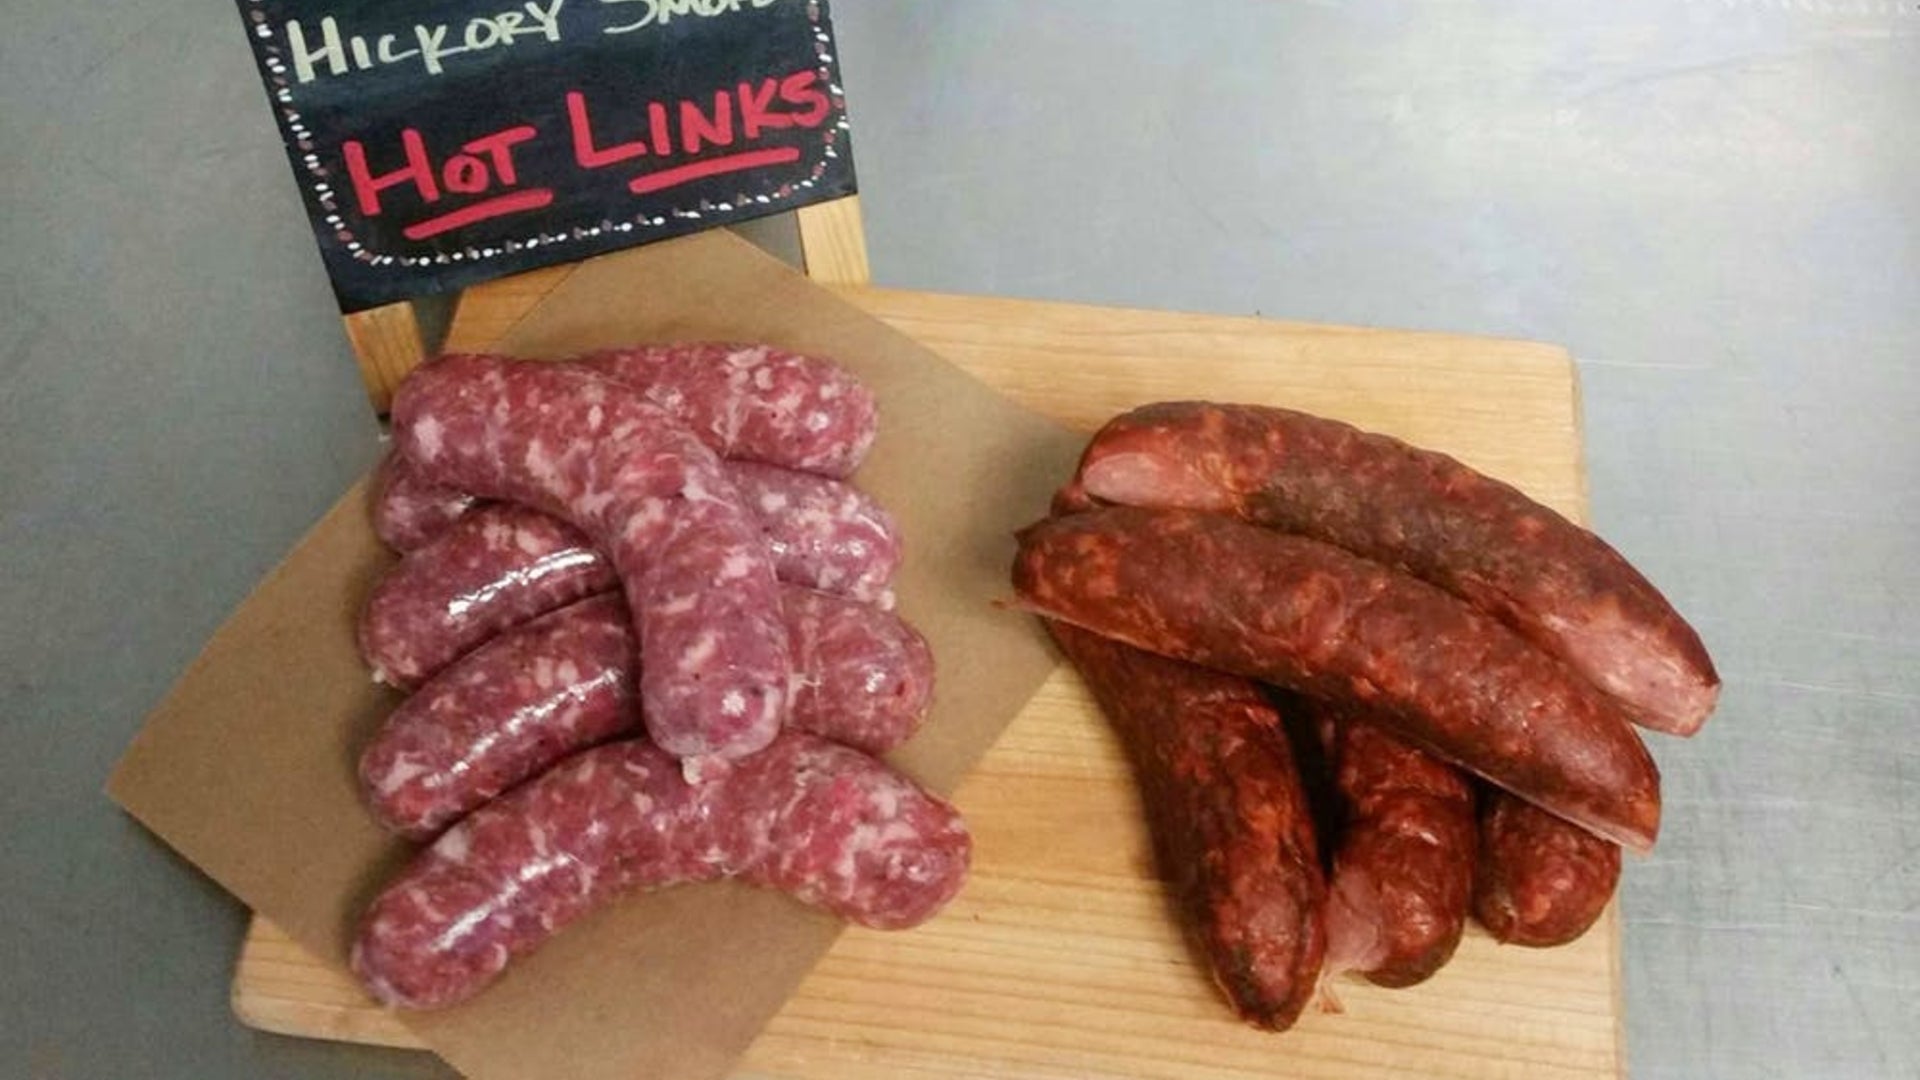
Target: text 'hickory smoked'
1560,586
1215,591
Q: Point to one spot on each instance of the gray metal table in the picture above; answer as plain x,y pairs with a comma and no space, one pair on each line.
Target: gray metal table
1716,205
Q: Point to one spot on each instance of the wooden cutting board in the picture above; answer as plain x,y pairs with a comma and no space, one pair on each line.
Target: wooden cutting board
1061,959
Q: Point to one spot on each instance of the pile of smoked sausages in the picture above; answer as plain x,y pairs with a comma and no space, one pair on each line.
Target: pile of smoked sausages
646,630
1366,690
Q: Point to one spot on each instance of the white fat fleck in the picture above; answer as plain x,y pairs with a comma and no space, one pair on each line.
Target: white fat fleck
678,605
453,847
817,422
403,769
427,436
701,651
543,464
829,390
700,770
734,703
543,673
772,502
738,565
595,417
594,505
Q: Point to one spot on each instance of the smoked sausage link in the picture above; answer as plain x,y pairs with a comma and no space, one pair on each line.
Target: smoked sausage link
1540,881
1218,592
1403,870
1560,586
828,825
697,575
563,682
1230,824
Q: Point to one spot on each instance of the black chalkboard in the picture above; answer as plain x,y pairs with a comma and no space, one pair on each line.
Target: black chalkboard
439,143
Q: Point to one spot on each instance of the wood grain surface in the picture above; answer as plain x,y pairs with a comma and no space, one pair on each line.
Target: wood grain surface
1061,959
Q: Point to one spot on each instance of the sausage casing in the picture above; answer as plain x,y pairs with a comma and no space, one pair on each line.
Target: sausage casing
1215,591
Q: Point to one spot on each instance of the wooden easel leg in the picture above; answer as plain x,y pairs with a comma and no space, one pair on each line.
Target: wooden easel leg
387,342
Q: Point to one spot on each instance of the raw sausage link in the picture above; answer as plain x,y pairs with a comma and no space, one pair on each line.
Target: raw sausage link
538,692
825,534
409,512
1217,592
862,676
1560,586
828,825
698,578
504,564
754,402
1403,870
1230,824
1540,880
496,568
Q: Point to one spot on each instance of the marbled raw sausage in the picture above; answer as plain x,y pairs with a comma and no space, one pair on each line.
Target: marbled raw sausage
824,823
754,402
502,564
532,695
697,576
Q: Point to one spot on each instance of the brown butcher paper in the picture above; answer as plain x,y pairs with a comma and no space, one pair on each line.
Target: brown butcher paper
247,767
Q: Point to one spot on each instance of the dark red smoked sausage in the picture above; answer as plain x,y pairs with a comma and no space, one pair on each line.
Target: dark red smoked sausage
1403,871
538,692
1560,586
828,825
1540,881
1215,591
698,578
1230,824
754,402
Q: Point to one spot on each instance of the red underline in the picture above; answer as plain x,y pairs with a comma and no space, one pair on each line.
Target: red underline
667,178
480,211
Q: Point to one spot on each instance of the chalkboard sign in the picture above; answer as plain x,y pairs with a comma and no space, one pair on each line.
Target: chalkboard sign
439,143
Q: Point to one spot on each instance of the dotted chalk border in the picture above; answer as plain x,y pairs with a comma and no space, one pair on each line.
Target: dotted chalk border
320,179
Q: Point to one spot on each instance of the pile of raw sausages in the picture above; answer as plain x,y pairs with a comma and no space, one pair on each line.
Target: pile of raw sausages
1311,640
647,632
